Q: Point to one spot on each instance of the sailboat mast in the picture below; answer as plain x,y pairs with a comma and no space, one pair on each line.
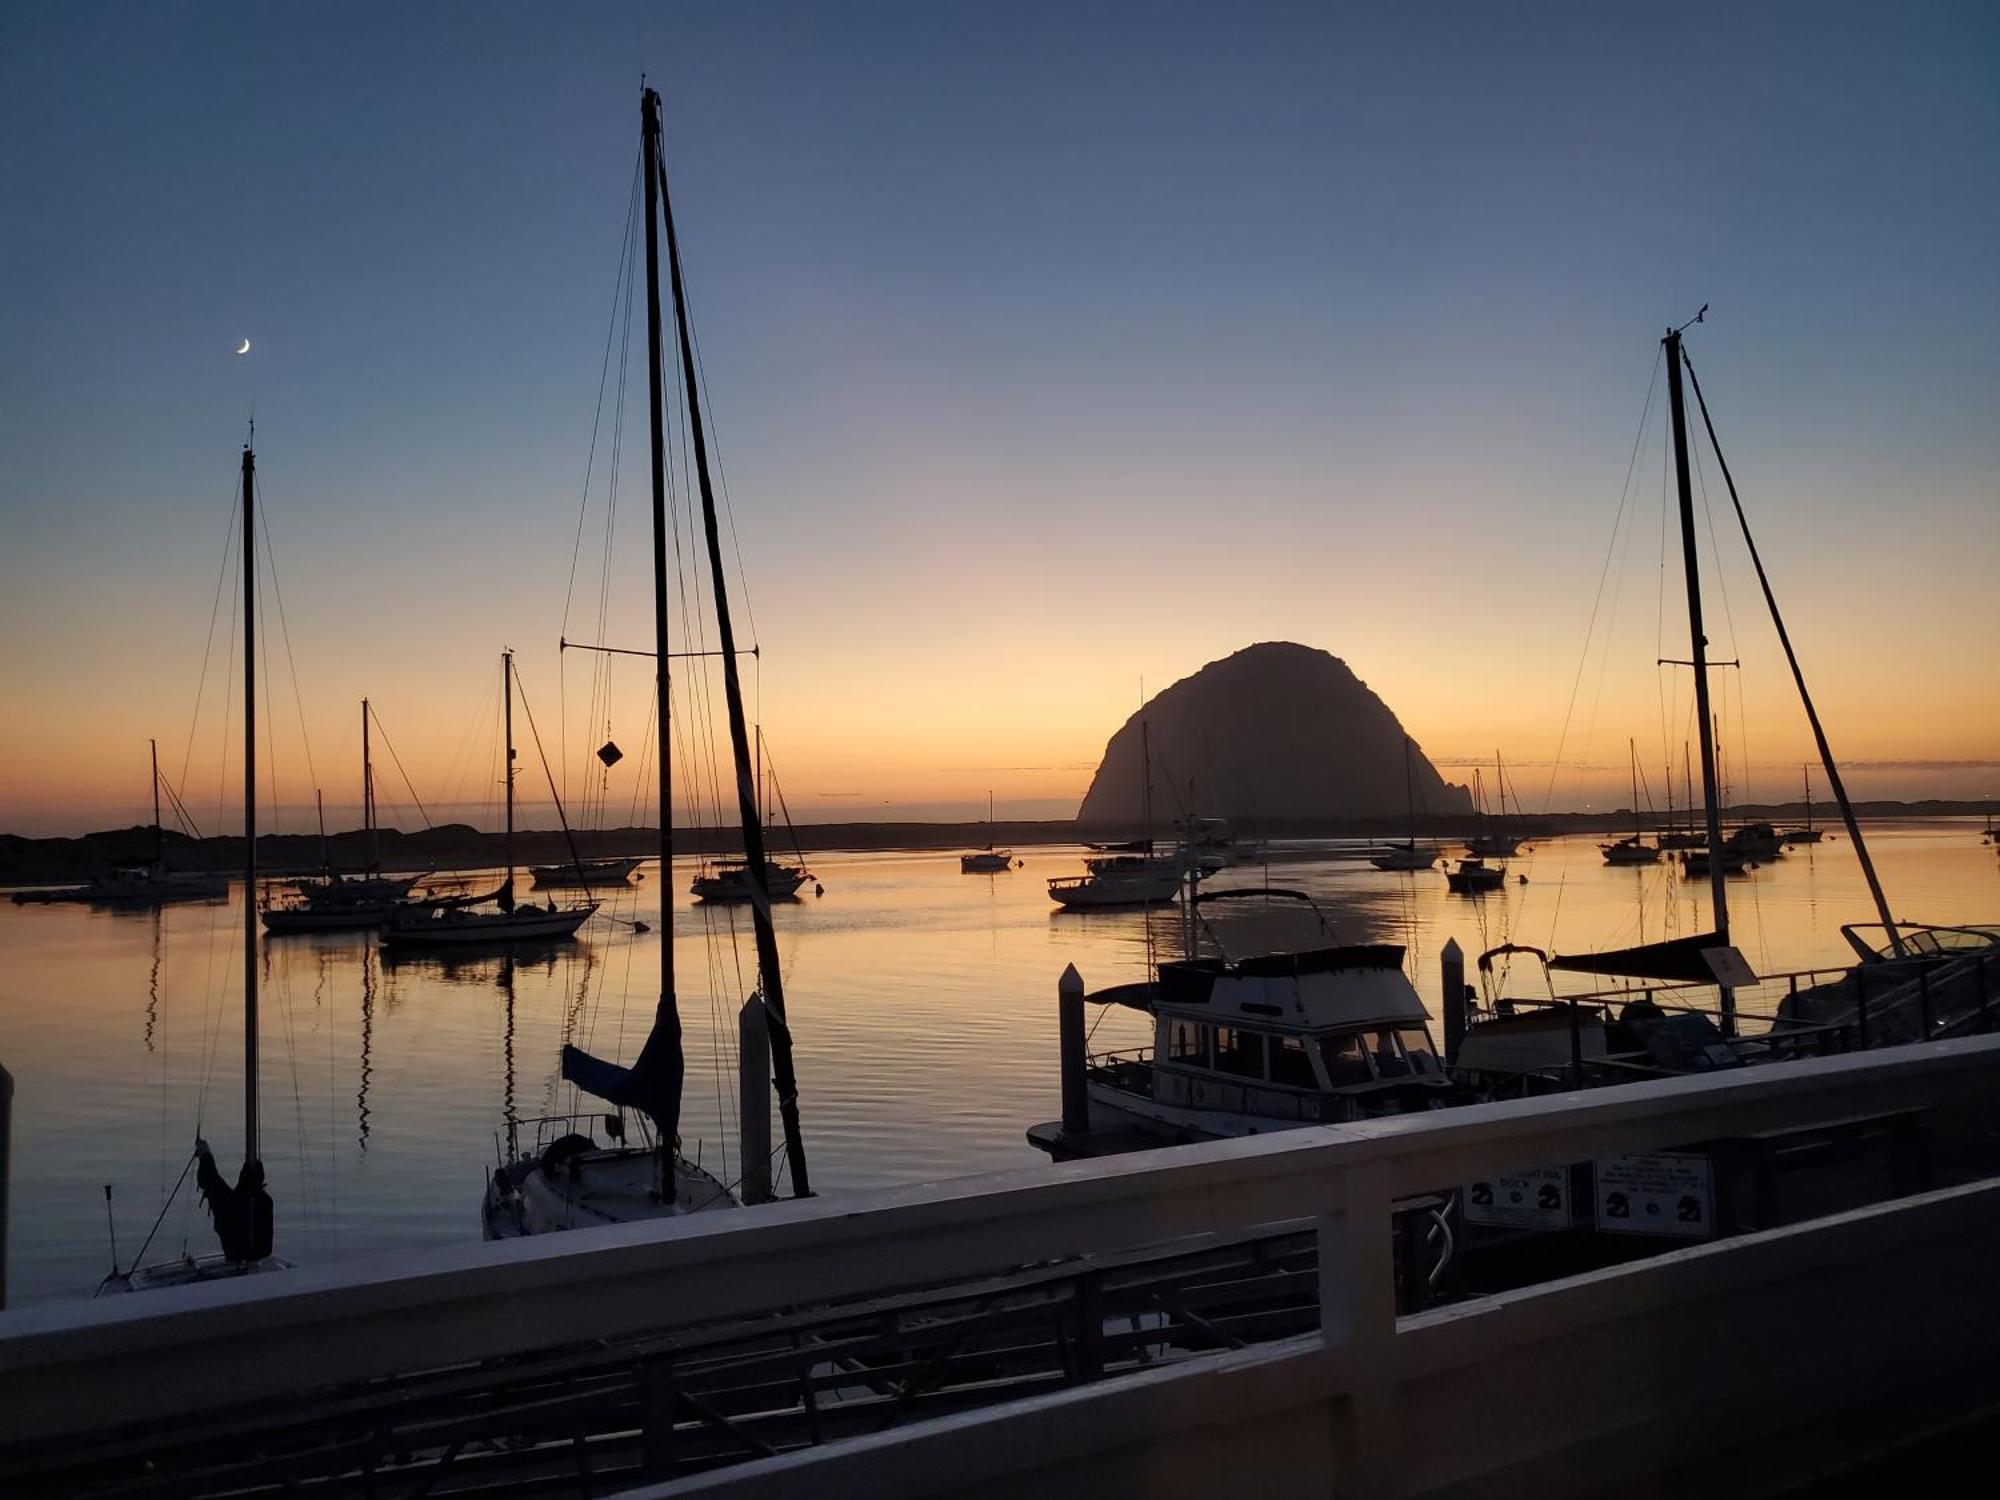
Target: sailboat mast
159,830
368,796
1698,644
770,975
507,696
649,132
1146,791
1632,749
250,1153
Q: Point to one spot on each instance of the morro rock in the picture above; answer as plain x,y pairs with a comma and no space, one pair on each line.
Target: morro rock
1278,733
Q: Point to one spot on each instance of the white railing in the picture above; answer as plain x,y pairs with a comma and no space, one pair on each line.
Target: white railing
1340,1399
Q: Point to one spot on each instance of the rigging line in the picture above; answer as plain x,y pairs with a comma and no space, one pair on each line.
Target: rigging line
1610,551
396,760
284,630
263,644
619,283
214,610
1798,674
548,775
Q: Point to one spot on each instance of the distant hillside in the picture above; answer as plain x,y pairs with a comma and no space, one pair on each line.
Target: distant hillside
1277,733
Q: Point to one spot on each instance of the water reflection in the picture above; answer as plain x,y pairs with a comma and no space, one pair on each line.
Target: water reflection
922,999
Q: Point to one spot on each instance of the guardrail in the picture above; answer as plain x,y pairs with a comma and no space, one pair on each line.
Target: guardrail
71,1372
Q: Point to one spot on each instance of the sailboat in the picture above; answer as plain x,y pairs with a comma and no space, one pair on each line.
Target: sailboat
148,884
1494,841
1808,834
1406,855
729,879
345,903
1126,879
494,918
571,1181
242,1212
987,861
1634,850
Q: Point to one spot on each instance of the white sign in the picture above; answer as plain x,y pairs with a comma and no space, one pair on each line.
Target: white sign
1662,1193
1730,967
1535,1199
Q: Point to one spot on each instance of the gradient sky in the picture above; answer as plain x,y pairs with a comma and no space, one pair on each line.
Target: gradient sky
1052,348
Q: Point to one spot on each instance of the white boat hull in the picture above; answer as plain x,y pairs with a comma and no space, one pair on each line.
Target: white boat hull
455,927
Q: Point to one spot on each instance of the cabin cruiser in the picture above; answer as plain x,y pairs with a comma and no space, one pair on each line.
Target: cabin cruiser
1474,876
1260,1044
1120,880
1631,850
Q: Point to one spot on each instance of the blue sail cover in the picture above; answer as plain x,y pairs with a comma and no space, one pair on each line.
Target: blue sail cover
651,1084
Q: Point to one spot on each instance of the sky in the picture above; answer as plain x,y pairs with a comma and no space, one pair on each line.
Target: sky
1052,351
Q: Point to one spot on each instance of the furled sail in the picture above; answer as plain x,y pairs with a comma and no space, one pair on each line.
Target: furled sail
651,1084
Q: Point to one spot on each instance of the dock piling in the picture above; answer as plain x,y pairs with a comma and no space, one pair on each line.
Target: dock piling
753,1099
1070,1034
1451,964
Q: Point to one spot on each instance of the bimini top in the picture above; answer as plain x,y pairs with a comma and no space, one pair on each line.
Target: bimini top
1358,985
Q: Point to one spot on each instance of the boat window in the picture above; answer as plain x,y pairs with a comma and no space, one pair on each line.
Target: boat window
1417,1044
1239,1052
1291,1064
1389,1059
1346,1062
1188,1043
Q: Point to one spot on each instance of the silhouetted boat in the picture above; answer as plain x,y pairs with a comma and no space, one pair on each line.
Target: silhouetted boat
148,884
572,1181
729,880
1634,850
468,921
1808,834
336,902
587,872
987,861
1495,840
1406,855
1473,877
243,1214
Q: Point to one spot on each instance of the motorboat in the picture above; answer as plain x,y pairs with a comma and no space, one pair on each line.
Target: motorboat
1266,1043
1473,876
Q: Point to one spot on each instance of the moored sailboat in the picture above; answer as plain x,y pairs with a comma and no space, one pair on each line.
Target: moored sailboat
242,1212
572,1181
494,918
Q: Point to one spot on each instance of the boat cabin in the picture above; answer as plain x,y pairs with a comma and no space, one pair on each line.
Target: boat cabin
1316,1037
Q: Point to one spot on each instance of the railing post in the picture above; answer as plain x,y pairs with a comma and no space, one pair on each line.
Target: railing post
753,1098
1924,1001
1451,963
1861,1003
6,1145
1575,1046
1357,1315
1070,1037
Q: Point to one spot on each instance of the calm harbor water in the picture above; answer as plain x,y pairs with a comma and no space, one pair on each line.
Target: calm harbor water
923,1003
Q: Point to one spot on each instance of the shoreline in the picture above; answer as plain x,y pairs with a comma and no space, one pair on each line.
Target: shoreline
31,862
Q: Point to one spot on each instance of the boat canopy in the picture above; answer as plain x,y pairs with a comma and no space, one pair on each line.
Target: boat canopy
1352,985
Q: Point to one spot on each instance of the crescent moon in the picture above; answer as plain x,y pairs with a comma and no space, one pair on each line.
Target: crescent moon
246,347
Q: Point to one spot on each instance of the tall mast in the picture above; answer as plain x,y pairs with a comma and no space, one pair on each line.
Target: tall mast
1806,771
1410,789
1632,749
250,1153
1698,651
159,831
507,695
667,1017
368,796
770,976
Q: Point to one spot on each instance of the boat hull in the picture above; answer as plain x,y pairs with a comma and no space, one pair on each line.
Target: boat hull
543,1193
457,928
594,872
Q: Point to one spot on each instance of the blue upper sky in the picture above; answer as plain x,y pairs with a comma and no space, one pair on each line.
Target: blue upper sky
1065,306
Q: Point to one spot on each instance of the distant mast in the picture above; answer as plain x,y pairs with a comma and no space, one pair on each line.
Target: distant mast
159,829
